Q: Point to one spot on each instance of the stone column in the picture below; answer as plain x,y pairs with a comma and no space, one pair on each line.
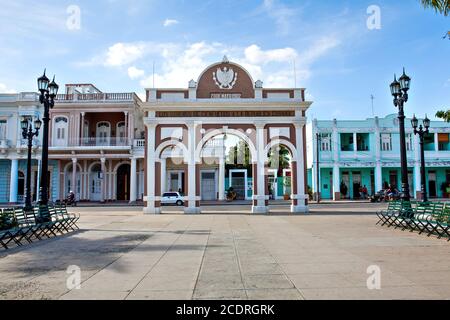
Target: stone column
301,196
103,181
74,177
378,177
81,142
336,183
150,198
193,202
14,181
261,196
163,175
133,184
126,126
221,179
336,168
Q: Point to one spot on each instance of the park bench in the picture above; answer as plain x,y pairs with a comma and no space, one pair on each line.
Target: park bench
387,216
425,217
45,221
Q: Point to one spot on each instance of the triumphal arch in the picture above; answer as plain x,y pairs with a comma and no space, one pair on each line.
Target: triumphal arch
188,134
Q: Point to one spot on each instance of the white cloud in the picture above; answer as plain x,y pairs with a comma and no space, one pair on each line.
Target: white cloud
254,55
280,13
5,89
124,53
176,64
170,22
447,83
319,48
135,73
182,63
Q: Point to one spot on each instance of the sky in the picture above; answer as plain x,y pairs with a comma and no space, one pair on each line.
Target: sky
342,52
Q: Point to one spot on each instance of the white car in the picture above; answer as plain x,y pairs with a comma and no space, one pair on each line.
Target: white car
172,198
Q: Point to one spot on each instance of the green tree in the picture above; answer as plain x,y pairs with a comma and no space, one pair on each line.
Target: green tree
440,6
279,158
445,115
239,155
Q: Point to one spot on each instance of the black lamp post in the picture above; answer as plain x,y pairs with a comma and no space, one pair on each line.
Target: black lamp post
48,91
399,90
422,130
29,134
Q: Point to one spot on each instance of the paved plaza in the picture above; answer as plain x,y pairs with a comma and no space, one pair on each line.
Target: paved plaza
226,253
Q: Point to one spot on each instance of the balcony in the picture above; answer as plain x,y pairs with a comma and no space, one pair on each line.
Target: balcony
96,97
100,143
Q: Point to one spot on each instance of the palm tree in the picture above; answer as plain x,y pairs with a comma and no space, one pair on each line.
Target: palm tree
280,158
441,6
444,115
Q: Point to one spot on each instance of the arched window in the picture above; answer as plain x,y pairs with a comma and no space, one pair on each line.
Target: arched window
103,133
60,131
121,134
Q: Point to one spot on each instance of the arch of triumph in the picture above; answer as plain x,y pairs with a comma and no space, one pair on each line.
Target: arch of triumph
181,124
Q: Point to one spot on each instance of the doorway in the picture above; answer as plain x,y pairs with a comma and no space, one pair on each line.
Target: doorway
238,181
432,184
208,185
123,182
356,184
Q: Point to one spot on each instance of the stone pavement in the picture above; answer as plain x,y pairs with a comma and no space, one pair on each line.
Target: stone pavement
227,253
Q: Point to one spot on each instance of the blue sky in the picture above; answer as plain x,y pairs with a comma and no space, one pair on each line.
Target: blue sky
338,59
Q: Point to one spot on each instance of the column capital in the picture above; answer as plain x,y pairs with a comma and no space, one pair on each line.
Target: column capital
103,160
299,124
83,114
74,160
260,124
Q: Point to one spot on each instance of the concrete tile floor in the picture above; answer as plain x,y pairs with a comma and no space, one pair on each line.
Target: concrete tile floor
226,253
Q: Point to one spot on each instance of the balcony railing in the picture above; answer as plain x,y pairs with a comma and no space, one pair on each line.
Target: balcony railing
101,142
96,97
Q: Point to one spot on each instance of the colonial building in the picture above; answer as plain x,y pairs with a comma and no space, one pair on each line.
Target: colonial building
367,153
13,149
97,139
182,125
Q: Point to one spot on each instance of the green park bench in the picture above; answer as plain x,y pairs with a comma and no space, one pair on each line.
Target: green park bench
16,225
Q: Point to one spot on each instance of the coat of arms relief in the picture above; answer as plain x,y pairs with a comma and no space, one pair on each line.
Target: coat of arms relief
225,78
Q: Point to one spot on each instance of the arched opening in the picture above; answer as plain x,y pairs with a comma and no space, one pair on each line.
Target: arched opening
226,170
21,187
120,133
103,133
123,182
279,184
69,185
95,183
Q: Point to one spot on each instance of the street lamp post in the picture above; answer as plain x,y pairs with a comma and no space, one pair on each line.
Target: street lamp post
29,134
399,90
48,91
421,131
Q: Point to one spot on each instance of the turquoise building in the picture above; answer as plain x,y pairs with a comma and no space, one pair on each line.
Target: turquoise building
358,153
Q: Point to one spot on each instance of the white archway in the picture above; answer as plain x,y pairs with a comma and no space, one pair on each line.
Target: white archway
277,142
68,184
166,144
210,135
95,182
